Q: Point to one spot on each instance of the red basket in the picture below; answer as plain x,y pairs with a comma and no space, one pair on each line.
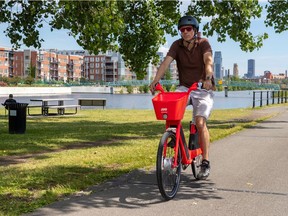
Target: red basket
170,105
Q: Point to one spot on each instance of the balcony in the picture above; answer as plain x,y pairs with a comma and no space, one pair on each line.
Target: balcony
109,73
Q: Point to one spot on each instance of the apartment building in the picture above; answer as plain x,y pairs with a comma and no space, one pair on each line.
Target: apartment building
6,62
62,67
58,67
23,62
101,68
66,66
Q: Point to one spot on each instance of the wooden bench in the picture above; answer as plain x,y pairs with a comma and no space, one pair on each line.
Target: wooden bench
61,110
92,102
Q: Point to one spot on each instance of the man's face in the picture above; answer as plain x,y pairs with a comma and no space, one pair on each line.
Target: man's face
187,32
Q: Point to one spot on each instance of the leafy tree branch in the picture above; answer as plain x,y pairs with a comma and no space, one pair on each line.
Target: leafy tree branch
137,28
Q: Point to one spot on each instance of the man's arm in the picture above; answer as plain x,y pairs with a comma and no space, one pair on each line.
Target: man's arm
161,71
208,61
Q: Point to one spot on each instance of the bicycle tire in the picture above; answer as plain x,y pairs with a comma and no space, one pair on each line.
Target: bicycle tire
168,178
195,165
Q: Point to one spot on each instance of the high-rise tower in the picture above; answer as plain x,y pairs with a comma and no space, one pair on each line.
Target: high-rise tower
218,65
235,70
251,68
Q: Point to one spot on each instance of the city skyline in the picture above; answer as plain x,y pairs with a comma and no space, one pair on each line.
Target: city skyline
273,56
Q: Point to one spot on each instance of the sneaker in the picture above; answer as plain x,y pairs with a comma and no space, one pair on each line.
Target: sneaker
204,170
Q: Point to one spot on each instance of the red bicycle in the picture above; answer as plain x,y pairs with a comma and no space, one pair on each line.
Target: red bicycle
173,151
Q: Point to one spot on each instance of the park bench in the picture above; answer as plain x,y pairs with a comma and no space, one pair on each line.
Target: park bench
61,109
92,102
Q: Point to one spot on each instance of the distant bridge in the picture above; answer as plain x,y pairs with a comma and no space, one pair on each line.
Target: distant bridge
248,85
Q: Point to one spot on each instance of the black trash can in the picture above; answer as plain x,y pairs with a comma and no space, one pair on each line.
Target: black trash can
17,117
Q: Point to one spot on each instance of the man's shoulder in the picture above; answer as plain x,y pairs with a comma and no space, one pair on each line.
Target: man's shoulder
203,40
204,44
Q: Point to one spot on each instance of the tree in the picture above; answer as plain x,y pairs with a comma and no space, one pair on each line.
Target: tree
31,71
168,75
136,28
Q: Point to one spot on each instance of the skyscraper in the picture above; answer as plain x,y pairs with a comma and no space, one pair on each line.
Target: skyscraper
251,68
218,65
235,70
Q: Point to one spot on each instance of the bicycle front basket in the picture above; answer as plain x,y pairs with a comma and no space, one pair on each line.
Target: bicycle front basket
170,105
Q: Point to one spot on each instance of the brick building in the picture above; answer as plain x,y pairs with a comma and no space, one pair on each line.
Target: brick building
6,62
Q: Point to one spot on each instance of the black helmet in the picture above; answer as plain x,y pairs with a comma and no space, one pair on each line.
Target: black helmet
188,20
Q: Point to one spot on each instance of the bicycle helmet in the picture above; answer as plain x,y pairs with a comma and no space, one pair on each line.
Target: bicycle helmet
188,20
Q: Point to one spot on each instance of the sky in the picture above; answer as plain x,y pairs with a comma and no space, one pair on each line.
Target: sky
273,56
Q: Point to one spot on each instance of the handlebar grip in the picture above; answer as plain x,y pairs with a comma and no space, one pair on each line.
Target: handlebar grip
158,87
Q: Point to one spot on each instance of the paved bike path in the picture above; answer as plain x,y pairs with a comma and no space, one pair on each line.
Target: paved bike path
249,177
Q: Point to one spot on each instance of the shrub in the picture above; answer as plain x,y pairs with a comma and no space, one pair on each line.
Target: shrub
145,88
29,80
173,88
129,89
3,84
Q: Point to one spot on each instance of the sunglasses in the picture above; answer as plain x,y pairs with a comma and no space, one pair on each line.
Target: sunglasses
188,29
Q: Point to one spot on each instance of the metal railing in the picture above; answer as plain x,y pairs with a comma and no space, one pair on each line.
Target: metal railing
269,97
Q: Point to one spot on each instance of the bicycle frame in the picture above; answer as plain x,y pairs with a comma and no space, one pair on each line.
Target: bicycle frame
172,125
187,154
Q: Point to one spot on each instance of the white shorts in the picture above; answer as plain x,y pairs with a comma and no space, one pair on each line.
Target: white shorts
201,100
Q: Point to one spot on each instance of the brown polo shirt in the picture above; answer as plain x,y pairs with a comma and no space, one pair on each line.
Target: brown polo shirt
190,63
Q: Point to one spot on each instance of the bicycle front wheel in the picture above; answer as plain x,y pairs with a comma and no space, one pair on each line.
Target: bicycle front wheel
168,177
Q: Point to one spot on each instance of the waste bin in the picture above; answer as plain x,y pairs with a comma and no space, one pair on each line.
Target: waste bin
17,117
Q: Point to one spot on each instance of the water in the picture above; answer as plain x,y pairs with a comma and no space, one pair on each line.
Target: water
235,99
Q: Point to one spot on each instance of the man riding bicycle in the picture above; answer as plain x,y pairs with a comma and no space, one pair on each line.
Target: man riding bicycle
193,55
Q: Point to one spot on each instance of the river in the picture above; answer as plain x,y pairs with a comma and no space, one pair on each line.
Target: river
235,99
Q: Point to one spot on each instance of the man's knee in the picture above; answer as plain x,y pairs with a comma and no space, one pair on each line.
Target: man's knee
200,123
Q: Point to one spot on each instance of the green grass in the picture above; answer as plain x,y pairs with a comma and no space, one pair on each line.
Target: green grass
107,144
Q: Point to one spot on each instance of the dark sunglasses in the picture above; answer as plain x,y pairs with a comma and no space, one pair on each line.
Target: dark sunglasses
188,29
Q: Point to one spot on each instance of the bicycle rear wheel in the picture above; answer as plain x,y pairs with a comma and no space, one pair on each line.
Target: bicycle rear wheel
168,178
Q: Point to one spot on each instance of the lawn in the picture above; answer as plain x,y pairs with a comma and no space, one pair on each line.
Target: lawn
61,155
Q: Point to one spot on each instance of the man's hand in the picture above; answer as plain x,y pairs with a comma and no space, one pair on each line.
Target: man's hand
207,84
152,86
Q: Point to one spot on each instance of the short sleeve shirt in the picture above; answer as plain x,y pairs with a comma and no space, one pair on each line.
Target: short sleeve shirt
190,63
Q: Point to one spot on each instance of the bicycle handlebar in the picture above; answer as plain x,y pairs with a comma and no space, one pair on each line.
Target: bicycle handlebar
194,86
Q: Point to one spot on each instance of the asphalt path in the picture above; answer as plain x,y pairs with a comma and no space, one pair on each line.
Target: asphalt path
248,177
